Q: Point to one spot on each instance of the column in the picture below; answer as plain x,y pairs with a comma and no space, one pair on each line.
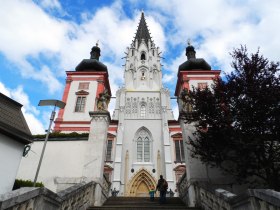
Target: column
96,150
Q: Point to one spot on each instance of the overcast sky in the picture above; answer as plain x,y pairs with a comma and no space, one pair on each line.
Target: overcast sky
41,39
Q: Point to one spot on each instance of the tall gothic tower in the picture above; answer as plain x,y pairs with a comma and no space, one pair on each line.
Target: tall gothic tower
143,148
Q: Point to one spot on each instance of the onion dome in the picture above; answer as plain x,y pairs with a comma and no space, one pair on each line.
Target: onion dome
193,63
92,64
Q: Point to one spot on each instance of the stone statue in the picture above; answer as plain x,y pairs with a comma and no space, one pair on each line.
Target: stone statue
185,101
103,101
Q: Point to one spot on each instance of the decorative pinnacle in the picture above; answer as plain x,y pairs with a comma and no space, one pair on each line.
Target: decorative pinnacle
97,43
189,42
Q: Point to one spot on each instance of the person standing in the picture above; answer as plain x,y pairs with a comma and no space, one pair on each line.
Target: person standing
152,194
162,187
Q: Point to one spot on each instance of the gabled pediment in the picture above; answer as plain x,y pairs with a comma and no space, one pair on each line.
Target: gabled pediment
82,92
177,135
109,135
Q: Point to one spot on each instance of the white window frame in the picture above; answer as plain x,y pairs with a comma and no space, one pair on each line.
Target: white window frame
80,105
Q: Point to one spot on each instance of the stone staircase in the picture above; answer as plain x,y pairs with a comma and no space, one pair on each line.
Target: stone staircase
143,203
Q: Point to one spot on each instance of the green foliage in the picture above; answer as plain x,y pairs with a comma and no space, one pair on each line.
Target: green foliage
238,121
25,183
62,135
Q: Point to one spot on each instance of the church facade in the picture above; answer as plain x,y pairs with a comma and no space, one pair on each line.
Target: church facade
142,139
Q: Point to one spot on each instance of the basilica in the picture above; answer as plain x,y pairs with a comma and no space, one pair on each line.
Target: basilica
142,140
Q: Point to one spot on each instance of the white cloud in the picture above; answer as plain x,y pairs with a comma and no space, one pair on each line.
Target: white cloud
30,112
53,4
65,41
26,31
222,26
216,27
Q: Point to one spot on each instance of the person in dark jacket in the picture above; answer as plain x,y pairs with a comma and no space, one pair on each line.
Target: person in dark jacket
162,187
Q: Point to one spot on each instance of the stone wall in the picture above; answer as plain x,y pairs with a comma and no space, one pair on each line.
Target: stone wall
208,197
78,197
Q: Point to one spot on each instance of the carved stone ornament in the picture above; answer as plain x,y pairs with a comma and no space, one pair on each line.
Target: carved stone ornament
100,116
185,101
82,92
103,100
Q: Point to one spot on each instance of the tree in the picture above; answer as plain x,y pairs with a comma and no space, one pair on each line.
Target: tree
238,120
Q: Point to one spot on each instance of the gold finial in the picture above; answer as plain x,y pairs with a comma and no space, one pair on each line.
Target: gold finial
97,43
189,42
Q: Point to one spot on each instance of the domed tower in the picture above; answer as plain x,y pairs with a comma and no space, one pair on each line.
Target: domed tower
195,72
193,63
82,88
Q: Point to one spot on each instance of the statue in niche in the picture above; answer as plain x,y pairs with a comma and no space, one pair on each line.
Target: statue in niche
103,101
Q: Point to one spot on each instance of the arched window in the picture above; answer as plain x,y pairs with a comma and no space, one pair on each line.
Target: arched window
143,56
143,111
143,147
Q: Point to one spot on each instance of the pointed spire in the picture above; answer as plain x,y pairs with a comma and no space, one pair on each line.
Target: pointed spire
142,30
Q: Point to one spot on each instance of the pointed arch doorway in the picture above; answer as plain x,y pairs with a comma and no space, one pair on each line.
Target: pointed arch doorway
140,184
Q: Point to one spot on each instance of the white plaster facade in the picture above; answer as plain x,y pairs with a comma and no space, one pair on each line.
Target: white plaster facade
79,84
69,111
62,166
10,156
14,135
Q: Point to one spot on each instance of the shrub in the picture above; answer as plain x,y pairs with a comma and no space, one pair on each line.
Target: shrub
25,183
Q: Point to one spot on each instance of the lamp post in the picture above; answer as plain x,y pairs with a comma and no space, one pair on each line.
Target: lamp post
55,103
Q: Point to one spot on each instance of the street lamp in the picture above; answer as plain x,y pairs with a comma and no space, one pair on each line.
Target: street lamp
55,103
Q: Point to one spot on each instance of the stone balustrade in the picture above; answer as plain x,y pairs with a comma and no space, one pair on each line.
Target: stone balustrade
78,197
106,185
182,187
209,198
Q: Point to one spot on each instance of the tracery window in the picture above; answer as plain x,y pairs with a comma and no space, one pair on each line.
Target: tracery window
142,111
143,56
143,145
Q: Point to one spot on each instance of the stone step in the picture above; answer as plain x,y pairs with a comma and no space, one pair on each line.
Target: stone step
141,203
141,207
